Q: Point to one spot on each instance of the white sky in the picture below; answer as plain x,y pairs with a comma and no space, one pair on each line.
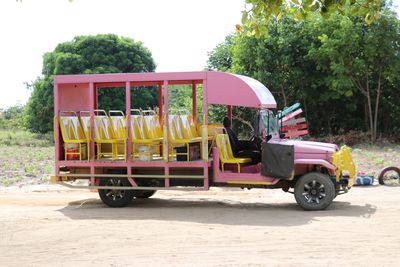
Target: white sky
179,33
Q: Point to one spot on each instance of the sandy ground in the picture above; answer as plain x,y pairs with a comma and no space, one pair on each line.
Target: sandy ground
49,226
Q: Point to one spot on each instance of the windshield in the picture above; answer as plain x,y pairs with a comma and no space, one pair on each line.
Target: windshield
270,122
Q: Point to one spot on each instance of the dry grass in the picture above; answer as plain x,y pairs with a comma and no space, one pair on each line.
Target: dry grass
372,158
25,158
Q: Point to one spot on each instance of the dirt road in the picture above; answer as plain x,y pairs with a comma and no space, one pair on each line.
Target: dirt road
215,228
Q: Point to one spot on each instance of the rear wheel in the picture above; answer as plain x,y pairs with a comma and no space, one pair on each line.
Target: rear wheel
389,176
314,191
143,193
115,197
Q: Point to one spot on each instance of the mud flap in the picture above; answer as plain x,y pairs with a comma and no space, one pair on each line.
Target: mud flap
277,161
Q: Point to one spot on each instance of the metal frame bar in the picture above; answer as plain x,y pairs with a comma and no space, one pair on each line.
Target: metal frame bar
132,188
149,176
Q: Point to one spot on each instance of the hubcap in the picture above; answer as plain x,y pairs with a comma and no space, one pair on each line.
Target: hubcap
314,192
115,194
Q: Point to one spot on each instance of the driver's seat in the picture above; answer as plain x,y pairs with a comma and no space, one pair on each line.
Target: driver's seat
241,149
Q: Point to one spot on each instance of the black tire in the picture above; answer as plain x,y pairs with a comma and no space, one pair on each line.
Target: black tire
143,193
115,198
314,191
386,178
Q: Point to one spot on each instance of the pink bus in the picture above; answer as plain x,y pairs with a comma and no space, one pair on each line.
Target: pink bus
132,153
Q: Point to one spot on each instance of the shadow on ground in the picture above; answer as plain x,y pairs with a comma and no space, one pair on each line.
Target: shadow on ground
211,211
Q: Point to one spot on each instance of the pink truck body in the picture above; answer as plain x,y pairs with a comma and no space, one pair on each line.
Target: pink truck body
78,93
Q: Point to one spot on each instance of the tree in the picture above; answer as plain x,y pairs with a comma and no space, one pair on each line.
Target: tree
256,19
361,57
342,70
12,117
104,53
220,58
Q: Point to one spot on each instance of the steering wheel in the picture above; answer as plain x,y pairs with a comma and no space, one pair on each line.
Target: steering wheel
256,140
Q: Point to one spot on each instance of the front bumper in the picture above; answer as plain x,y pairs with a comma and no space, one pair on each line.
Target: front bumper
345,167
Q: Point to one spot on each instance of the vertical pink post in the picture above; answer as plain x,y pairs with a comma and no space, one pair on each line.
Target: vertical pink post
194,104
128,120
165,131
92,101
56,131
166,173
205,106
160,104
205,122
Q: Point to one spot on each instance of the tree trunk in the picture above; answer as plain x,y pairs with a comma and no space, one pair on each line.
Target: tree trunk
365,116
284,95
371,124
378,93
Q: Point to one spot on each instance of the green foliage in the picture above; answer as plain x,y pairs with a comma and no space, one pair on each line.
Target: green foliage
220,58
104,53
333,66
12,117
256,19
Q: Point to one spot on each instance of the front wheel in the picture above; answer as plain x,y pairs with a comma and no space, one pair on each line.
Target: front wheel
115,197
314,191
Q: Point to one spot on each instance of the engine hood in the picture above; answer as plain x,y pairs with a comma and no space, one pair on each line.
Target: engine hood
308,149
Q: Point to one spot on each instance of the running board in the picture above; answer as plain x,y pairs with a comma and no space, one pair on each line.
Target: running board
131,188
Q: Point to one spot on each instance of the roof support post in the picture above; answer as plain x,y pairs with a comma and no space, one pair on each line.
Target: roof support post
165,123
160,104
128,119
194,104
56,129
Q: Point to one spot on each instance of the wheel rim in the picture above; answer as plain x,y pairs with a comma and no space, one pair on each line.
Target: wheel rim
115,194
314,192
391,177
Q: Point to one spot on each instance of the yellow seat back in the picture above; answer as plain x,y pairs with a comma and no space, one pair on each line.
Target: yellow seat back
66,129
85,122
188,128
103,128
174,130
71,128
137,127
152,127
118,123
225,153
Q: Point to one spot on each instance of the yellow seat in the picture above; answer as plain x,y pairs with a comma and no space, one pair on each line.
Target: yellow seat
141,137
177,136
212,129
118,124
72,133
104,134
225,152
152,128
188,128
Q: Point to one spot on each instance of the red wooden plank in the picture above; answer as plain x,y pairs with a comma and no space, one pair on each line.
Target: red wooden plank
296,133
294,127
